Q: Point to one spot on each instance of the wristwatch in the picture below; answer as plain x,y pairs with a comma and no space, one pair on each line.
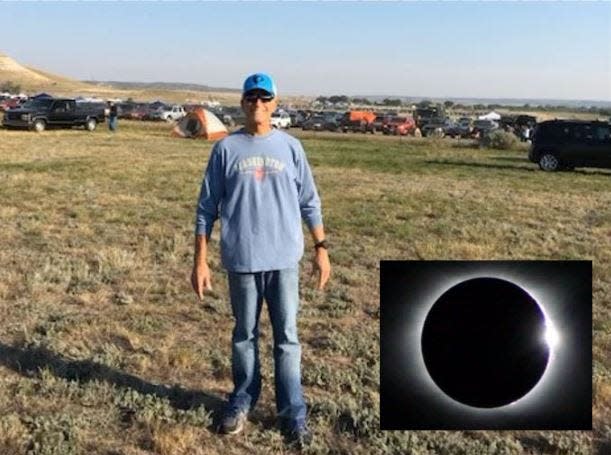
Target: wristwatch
321,244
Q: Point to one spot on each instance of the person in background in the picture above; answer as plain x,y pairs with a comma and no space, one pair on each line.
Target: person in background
113,113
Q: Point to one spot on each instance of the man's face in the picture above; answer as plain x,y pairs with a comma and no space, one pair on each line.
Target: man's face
258,106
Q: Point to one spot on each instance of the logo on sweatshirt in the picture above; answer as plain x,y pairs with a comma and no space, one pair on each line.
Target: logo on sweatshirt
260,166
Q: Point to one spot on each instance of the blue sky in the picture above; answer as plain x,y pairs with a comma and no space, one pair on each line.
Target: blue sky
446,49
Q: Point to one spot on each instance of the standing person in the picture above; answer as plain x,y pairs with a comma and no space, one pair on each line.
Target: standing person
258,182
113,114
526,133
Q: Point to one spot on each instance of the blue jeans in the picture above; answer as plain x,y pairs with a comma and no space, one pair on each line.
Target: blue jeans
112,123
280,289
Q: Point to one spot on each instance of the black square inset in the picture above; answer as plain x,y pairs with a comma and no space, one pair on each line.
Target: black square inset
468,345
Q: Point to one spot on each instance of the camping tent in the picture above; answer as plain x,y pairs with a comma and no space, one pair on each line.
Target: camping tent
200,124
490,116
41,95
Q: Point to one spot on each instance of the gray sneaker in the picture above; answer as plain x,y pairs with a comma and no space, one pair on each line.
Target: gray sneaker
233,421
299,436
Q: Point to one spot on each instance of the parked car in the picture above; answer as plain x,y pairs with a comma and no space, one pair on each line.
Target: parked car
154,112
173,113
281,119
434,113
227,120
315,123
566,144
42,113
10,103
138,112
526,120
126,110
297,118
463,127
436,127
377,124
356,121
399,125
483,127
333,121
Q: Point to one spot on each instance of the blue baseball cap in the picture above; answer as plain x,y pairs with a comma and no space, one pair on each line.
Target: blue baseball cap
260,81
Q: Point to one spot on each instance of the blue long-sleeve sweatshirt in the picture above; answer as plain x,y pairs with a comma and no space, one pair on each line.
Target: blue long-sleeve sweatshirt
260,187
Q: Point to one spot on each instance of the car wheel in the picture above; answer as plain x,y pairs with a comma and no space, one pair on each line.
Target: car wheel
91,124
39,125
549,162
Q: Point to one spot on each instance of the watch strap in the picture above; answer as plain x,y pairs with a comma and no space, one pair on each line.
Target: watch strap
321,244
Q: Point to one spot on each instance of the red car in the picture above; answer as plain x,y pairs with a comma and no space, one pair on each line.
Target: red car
9,103
399,126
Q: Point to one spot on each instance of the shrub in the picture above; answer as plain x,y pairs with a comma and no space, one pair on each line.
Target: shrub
10,87
500,140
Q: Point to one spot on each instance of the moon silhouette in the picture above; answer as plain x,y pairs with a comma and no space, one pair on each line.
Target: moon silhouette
485,342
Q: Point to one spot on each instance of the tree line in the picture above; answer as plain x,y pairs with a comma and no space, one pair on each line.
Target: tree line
448,104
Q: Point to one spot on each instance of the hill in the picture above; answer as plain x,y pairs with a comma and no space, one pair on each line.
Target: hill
162,86
34,80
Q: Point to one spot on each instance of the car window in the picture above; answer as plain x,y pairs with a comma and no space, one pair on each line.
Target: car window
555,131
564,131
61,106
602,133
583,133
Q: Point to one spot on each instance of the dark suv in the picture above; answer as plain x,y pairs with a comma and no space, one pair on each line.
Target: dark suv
566,144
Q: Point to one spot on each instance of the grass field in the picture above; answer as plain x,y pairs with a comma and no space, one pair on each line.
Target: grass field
105,350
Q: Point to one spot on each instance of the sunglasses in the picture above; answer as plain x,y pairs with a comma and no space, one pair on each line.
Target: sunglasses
252,98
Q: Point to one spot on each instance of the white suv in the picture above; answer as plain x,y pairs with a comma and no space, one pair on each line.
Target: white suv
174,113
281,119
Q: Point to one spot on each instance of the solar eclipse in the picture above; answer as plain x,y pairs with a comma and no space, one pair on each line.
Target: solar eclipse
483,342
486,345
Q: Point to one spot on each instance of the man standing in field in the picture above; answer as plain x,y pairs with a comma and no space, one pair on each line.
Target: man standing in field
113,114
259,183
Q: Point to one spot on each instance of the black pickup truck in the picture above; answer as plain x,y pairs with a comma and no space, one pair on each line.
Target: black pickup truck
42,113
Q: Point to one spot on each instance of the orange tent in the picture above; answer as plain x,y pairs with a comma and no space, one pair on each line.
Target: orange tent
200,124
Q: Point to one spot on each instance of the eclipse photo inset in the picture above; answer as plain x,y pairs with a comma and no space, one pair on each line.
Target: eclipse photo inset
484,344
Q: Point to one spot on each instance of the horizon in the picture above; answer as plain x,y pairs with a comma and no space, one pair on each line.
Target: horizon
370,96
410,50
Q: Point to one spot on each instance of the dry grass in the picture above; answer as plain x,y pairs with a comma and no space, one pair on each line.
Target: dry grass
104,349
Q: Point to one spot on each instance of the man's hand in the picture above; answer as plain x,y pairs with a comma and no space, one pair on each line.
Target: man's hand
201,279
322,264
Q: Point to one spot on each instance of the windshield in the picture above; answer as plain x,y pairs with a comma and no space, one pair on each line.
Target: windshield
424,112
37,104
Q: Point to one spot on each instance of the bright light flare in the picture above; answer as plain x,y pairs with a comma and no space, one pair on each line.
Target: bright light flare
552,337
